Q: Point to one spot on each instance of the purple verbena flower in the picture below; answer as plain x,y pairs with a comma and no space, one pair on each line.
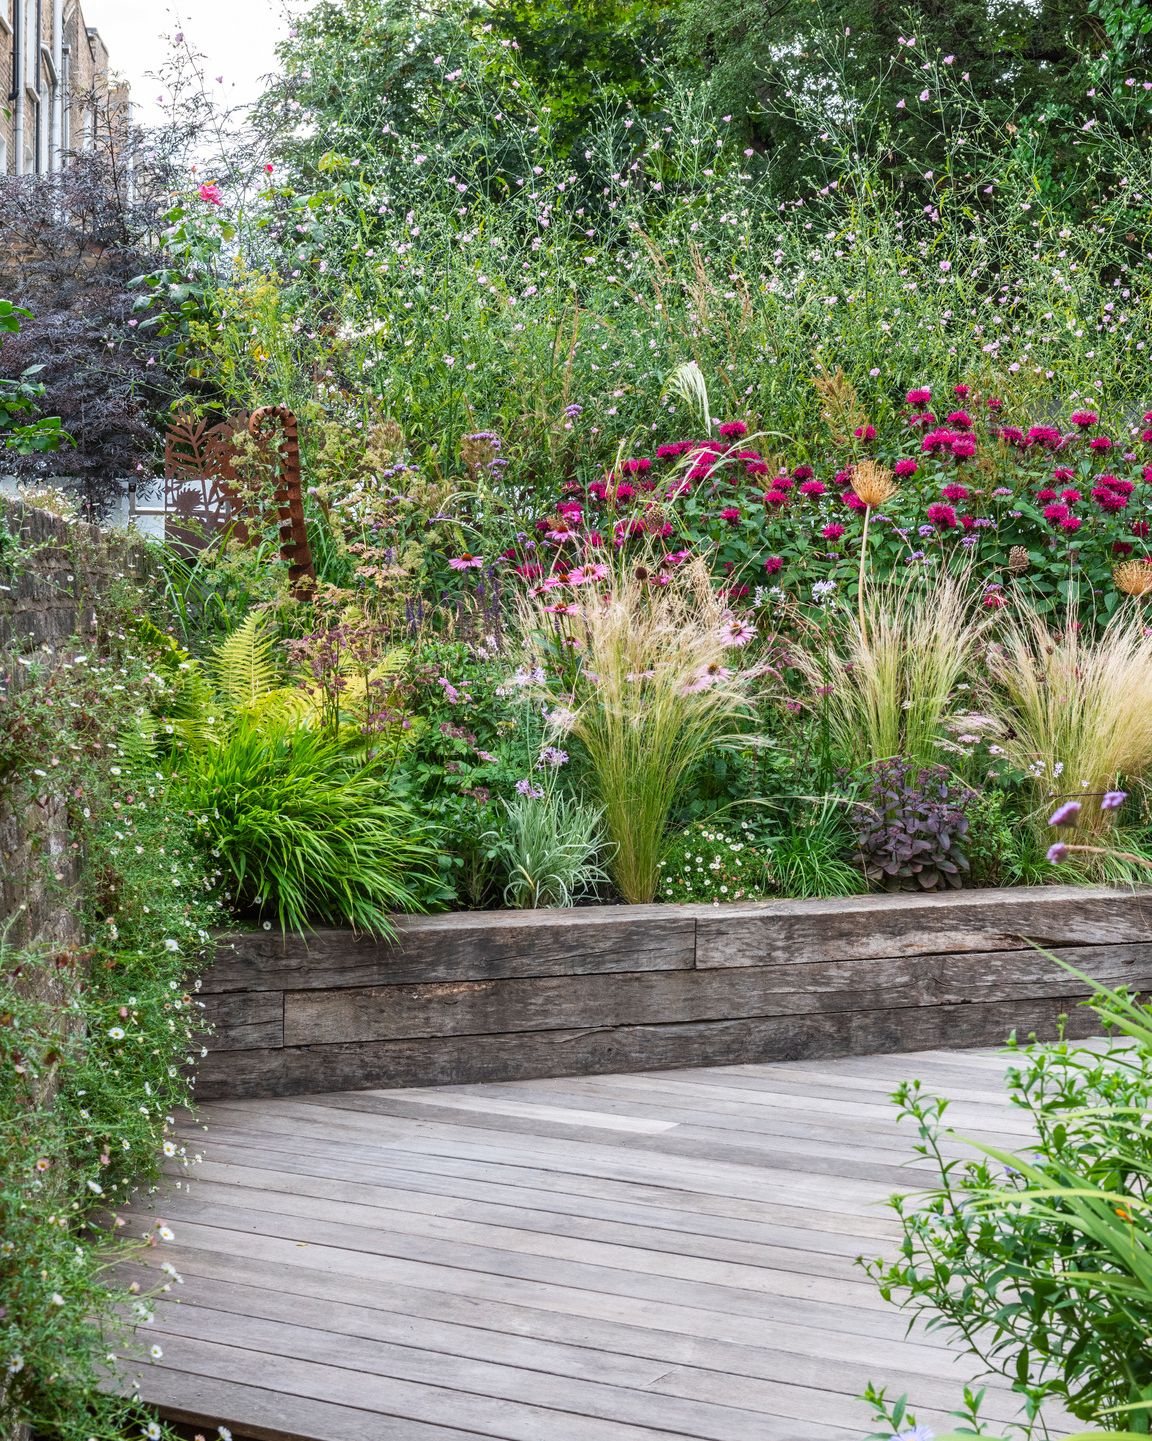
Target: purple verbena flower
1064,815
1113,800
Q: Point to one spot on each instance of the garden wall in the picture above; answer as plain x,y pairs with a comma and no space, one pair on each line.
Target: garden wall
496,996
53,575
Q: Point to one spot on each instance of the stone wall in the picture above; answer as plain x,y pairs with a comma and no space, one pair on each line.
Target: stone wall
52,575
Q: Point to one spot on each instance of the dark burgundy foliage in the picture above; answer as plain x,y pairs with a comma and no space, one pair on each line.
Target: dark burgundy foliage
911,830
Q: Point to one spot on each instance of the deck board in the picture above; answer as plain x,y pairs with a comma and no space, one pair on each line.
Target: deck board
617,1258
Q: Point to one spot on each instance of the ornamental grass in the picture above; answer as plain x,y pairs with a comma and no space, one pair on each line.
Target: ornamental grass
654,690
1076,709
889,684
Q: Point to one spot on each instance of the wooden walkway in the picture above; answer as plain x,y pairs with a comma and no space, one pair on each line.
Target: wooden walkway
617,1258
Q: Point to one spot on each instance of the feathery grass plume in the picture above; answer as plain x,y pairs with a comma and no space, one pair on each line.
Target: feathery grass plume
1076,710
652,696
840,406
688,384
1133,577
892,678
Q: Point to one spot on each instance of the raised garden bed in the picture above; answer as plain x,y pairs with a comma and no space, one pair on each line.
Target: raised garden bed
508,995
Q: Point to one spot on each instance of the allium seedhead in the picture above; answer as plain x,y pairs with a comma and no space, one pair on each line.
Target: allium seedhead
1018,560
1133,577
873,483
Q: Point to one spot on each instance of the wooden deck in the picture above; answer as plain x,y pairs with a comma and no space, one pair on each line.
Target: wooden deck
613,1258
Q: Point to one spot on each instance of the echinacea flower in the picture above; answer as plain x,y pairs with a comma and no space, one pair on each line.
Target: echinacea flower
736,632
467,561
1066,814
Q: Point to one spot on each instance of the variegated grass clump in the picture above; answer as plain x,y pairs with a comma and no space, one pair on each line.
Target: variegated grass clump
657,688
1076,710
890,681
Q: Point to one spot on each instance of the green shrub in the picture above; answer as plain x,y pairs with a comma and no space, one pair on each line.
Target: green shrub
547,845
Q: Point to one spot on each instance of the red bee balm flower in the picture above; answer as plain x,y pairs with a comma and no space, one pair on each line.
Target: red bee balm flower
943,517
1085,419
921,395
833,532
954,492
905,467
733,430
1100,442
773,564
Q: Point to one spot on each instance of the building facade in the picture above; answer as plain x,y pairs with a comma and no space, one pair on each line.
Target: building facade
54,73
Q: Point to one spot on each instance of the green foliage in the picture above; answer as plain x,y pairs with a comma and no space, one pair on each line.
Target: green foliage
809,857
715,860
302,821
993,844
1040,1265
21,429
547,845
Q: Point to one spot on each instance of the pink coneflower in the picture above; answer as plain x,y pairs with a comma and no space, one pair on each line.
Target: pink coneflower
731,514
466,562
919,395
813,487
960,419
732,430
1100,442
833,532
736,632
905,467
943,517
954,492
1085,419
210,194
773,564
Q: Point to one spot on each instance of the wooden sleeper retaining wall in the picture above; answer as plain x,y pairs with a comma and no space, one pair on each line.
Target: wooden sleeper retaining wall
510,995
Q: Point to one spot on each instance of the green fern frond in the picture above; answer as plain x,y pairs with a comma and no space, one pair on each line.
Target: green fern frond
242,665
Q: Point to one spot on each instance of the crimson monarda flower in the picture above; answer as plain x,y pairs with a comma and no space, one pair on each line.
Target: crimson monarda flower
782,482
853,501
775,497
921,422
732,430
833,532
1140,529
1063,473
865,432
1046,494
993,403
943,517
803,472
730,514
624,491
773,564
637,466
1122,547
937,441
1100,442
757,467
904,467
1070,496
813,487
1055,513
1071,523
1010,434
1113,482
960,419
954,492
1109,500
919,395
843,477
1045,436
964,447
671,451
1085,419
963,391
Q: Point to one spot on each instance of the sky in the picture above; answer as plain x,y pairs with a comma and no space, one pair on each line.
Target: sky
237,36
